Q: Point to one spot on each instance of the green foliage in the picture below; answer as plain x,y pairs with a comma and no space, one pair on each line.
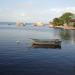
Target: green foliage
57,22
64,19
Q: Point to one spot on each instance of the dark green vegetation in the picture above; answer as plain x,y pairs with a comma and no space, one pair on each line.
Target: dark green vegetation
57,22
64,19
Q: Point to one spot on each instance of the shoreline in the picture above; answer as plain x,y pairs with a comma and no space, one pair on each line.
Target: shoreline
63,27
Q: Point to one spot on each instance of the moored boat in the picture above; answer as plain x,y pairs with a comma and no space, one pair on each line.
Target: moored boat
51,43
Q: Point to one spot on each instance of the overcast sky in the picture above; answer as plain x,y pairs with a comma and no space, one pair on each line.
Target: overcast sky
34,10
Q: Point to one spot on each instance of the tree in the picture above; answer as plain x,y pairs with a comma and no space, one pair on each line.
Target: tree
66,17
57,22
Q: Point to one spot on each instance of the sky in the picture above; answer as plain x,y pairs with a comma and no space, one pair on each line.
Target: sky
34,10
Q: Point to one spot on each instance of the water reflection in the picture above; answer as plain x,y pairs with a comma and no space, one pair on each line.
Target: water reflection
18,58
68,35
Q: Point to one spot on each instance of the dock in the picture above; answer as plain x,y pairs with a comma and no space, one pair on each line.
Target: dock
51,43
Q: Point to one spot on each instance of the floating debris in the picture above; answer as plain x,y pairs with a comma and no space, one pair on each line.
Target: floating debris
18,42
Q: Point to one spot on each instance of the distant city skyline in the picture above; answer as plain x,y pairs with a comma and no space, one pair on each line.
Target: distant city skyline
34,10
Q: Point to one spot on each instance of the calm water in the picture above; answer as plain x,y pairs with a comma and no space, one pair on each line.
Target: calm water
21,59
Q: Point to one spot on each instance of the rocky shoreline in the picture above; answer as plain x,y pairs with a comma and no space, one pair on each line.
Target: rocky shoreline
63,27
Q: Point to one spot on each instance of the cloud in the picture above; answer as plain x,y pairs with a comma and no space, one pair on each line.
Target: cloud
24,5
62,10
23,14
34,15
57,12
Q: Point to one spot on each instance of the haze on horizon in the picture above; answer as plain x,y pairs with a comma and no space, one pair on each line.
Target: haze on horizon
34,10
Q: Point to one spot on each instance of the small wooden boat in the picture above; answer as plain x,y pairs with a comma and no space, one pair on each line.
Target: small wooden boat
51,43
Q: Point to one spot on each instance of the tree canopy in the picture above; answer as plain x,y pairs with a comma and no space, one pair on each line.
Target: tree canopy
64,19
57,22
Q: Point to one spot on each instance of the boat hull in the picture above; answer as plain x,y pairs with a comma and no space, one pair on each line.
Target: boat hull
46,44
